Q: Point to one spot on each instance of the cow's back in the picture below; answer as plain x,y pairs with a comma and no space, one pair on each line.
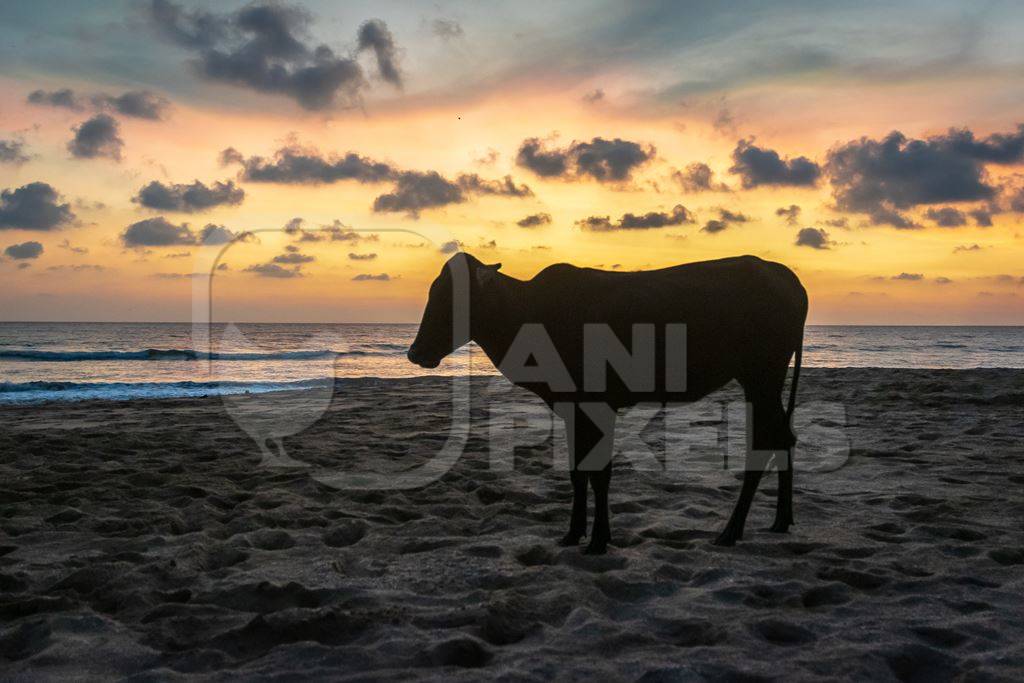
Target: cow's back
739,312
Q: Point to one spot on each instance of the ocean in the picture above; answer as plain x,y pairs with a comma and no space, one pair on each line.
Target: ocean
75,361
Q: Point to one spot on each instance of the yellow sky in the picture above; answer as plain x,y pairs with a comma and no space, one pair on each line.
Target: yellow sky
853,281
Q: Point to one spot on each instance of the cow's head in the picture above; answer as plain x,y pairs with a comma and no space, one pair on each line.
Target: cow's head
446,320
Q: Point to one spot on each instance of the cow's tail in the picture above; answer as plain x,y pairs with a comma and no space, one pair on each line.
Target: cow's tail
796,378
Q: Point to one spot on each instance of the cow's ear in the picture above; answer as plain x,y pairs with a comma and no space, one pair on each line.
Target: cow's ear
485,274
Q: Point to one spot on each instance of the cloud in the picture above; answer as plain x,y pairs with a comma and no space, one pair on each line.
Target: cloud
881,178
66,244
943,281
982,217
791,213
594,96
947,217
12,152
600,159
293,258
450,247
159,232
140,104
447,29
188,198
97,137
374,35
814,238
679,215
298,165
33,207
908,277
365,277
698,177
842,222
273,270
506,187
65,98
967,248
23,251
261,47
417,190
335,232
759,166
534,220
79,267
724,220
361,257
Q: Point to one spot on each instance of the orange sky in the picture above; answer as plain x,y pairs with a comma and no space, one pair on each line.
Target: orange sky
459,125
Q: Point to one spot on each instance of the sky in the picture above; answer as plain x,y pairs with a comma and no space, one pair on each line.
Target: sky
319,161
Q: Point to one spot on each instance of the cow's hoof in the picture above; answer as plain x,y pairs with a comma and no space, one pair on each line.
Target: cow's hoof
570,539
596,547
725,539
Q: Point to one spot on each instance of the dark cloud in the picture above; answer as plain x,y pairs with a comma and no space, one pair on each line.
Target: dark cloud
65,98
273,270
12,152
97,137
947,217
447,29
189,198
791,213
365,277
140,104
698,177
416,190
594,96
361,257
374,35
600,159
35,206
217,234
943,281
261,46
450,247
25,250
908,277
534,220
982,217
758,166
654,219
335,232
842,222
506,187
881,178
159,232
724,220
293,258
814,238
307,166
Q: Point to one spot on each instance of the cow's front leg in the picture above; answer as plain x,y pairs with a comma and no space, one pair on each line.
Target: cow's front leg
578,524
594,430
602,532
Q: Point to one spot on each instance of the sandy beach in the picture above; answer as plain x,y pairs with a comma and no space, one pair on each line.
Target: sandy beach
153,539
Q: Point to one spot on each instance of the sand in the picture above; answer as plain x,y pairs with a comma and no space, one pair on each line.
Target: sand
152,539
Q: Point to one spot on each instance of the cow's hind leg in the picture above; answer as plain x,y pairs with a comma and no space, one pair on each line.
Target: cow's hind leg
764,441
784,438
578,522
602,533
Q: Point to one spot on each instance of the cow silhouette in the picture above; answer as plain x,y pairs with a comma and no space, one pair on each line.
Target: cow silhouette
590,342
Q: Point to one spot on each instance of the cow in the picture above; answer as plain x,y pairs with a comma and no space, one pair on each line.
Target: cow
690,330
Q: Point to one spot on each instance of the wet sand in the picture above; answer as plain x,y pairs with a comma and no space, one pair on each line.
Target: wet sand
154,538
